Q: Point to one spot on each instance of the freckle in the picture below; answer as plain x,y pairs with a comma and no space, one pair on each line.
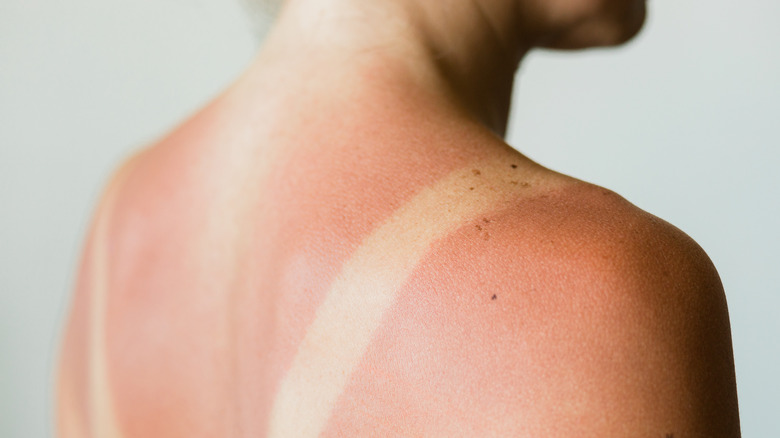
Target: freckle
471,188
525,185
486,236
493,297
476,172
514,182
485,220
479,228
514,166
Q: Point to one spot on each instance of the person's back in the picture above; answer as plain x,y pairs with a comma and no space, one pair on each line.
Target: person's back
330,251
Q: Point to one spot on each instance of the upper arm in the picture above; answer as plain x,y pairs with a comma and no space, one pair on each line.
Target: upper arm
653,352
639,342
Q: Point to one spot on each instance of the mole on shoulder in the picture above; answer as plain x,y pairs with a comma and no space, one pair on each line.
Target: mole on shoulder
495,297
514,166
471,188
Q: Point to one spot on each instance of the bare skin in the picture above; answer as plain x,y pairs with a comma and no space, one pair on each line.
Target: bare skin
343,245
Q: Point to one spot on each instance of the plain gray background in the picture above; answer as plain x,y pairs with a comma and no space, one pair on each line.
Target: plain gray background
682,122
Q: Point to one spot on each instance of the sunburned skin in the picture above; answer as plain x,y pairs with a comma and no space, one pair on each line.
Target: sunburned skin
341,244
368,285
238,311
422,279
476,347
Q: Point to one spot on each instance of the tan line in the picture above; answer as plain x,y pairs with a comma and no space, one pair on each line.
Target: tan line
366,287
70,419
102,416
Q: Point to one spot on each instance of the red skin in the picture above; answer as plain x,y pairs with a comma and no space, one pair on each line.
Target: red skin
521,326
211,291
166,312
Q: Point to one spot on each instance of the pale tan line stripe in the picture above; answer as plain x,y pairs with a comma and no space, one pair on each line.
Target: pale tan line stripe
366,287
70,420
102,417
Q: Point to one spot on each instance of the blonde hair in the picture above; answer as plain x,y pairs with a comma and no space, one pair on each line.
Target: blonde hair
267,7
261,14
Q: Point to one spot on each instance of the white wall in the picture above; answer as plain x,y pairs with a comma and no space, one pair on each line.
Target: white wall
679,122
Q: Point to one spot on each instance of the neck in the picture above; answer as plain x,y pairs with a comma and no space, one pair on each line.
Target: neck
466,56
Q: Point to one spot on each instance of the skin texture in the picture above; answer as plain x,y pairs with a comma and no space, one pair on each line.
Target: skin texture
356,252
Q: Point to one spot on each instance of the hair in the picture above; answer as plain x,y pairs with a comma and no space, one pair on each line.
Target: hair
266,7
261,14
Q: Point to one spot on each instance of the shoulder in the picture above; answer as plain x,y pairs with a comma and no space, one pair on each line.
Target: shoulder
580,313
598,237
585,239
